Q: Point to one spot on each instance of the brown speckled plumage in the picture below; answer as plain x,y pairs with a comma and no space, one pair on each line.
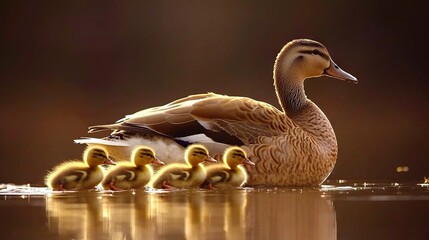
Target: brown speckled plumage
294,146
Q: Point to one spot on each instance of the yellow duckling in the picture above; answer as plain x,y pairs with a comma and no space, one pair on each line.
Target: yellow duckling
181,175
230,173
135,174
78,175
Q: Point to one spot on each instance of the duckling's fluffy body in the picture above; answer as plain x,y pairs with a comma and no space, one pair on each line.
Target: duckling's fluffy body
78,175
180,175
230,173
74,175
127,175
132,175
221,176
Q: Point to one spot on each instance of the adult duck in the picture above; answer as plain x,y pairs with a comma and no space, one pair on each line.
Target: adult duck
293,146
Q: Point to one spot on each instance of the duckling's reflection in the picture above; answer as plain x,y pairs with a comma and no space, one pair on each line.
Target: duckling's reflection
77,216
237,214
125,215
128,215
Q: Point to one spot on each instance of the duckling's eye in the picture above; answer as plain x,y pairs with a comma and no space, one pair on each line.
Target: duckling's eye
193,154
315,52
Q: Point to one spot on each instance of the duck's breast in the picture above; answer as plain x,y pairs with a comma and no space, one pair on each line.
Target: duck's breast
199,176
142,178
95,176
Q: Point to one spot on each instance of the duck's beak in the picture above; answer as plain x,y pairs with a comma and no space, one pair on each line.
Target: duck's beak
210,159
157,161
109,161
336,72
248,162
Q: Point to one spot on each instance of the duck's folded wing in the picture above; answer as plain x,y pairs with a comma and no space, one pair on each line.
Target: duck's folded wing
179,175
125,175
205,118
75,175
219,176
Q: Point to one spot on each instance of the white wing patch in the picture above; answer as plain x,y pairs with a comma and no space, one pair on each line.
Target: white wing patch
197,138
209,125
101,142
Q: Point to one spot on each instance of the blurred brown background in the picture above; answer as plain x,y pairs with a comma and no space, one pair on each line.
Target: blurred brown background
65,66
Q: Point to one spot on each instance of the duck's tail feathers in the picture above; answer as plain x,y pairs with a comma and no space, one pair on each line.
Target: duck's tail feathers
99,128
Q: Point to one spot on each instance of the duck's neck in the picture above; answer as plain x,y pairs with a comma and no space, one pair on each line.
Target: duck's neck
290,92
92,167
303,112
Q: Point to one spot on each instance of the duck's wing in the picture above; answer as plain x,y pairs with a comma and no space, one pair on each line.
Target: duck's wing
180,175
124,175
219,176
206,118
216,173
67,176
75,175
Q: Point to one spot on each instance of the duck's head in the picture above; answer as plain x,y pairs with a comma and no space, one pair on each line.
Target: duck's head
95,156
305,58
235,156
144,155
196,154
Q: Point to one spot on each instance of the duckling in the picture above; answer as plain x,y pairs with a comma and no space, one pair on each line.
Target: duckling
179,175
78,175
127,175
231,172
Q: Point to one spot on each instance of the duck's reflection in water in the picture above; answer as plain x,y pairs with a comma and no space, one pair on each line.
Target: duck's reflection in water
238,214
291,215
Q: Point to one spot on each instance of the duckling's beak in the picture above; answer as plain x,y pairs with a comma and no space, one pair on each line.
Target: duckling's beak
109,161
157,161
248,162
336,72
210,159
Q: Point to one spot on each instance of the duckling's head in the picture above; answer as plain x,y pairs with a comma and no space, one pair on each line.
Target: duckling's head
144,155
95,156
235,156
305,58
196,154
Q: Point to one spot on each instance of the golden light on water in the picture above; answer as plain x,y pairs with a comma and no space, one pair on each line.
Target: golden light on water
259,213
188,215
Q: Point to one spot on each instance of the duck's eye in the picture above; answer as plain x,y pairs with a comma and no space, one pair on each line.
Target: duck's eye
315,52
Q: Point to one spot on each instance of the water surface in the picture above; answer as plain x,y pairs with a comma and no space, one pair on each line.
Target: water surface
337,210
